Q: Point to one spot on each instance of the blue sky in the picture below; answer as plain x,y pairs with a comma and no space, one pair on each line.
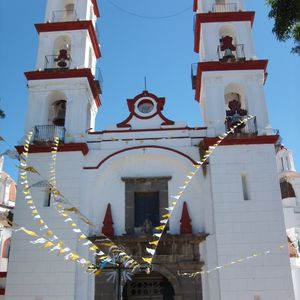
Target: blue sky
134,47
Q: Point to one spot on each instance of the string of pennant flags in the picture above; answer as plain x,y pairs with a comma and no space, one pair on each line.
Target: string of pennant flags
153,245
112,249
107,250
234,262
49,240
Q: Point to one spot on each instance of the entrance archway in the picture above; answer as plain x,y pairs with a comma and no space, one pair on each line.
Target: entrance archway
152,286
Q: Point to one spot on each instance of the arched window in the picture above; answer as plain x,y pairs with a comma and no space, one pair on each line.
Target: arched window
6,248
287,190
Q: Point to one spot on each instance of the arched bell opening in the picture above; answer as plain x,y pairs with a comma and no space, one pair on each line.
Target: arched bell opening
62,52
68,10
236,110
148,286
229,50
287,190
224,6
59,112
57,106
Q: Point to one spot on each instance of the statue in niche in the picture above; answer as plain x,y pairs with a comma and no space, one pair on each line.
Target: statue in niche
147,227
227,47
235,114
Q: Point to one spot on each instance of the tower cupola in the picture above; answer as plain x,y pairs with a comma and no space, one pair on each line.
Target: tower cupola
65,87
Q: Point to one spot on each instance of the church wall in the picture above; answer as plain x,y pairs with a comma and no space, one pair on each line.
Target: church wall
33,271
105,185
244,227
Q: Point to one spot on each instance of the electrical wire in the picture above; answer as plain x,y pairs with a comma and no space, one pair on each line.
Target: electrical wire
149,17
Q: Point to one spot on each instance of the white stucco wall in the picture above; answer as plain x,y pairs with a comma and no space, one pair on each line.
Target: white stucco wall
244,227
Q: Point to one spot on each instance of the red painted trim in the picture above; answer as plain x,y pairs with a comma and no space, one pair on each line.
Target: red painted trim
232,140
67,73
5,251
107,228
210,17
3,274
136,148
148,129
96,8
195,6
73,25
160,102
2,291
185,221
221,66
83,147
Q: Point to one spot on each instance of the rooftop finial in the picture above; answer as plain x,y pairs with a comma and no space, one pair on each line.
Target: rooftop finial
145,81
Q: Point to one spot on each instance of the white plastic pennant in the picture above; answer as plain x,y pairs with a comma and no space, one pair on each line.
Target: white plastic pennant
87,243
169,208
150,251
39,241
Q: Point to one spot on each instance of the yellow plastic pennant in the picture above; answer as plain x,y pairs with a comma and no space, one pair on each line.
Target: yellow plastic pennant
29,232
98,272
166,216
74,256
154,243
93,248
82,237
147,259
161,227
48,245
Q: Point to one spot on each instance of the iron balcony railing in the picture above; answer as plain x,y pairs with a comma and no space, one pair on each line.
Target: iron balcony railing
194,69
98,78
64,15
224,7
228,55
247,128
46,133
57,62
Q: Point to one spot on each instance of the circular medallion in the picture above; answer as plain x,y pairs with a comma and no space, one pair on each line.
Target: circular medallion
145,106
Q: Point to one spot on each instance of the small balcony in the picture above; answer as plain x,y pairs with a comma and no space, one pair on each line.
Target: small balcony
194,68
235,54
64,15
45,134
98,78
247,128
61,61
224,7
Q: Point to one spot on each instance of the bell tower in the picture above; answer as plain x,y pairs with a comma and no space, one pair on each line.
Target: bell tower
65,88
229,86
229,80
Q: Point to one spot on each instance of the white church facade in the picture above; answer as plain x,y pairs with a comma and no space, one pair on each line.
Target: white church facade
122,178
